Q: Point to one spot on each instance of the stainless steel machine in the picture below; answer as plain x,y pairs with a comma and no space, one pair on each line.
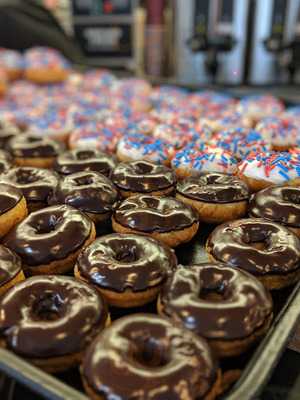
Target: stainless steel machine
211,37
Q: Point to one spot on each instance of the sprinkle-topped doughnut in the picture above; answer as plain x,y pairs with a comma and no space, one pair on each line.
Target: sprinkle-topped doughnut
143,147
44,57
12,61
240,142
271,167
95,135
281,132
260,106
190,161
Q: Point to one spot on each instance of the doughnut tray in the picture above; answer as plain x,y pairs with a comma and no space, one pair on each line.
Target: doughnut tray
253,369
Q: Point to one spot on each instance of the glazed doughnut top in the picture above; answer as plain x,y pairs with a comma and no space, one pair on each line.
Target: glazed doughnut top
47,316
144,356
9,197
154,214
255,245
50,234
88,191
281,204
35,183
143,176
122,261
214,187
5,161
84,160
10,265
216,301
31,146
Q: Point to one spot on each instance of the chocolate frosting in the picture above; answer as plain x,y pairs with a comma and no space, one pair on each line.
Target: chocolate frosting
84,160
152,213
9,197
7,133
30,146
124,261
49,316
88,191
35,183
143,177
214,187
279,204
255,245
5,161
50,234
216,301
10,265
144,356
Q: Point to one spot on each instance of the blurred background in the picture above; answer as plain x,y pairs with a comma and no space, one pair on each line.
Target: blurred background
188,42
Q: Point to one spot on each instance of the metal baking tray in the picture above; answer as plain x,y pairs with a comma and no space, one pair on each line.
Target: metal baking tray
256,365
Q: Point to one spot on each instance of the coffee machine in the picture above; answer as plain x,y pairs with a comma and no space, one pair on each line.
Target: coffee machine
210,40
275,49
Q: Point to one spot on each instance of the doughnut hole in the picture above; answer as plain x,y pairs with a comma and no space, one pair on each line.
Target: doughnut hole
48,307
150,353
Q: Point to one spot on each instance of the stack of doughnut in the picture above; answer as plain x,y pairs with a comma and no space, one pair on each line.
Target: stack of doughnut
104,182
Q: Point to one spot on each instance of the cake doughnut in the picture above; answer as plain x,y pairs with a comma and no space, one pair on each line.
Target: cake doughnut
143,147
163,218
216,197
95,135
90,192
50,240
32,151
229,307
240,142
192,161
88,159
128,270
259,106
279,204
224,120
262,170
3,82
266,249
143,177
36,184
13,208
281,132
13,63
5,160
51,320
10,269
44,65
144,356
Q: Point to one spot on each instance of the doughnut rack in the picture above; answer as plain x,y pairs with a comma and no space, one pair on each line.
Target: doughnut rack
255,371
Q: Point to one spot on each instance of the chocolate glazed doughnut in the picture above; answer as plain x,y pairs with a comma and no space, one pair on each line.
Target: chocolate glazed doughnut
10,269
225,305
36,184
164,218
33,151
5,161
279,204
144,356
265,249
143,177
127,269
50,320
84,160
13,208
90,192
50,240
217,197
